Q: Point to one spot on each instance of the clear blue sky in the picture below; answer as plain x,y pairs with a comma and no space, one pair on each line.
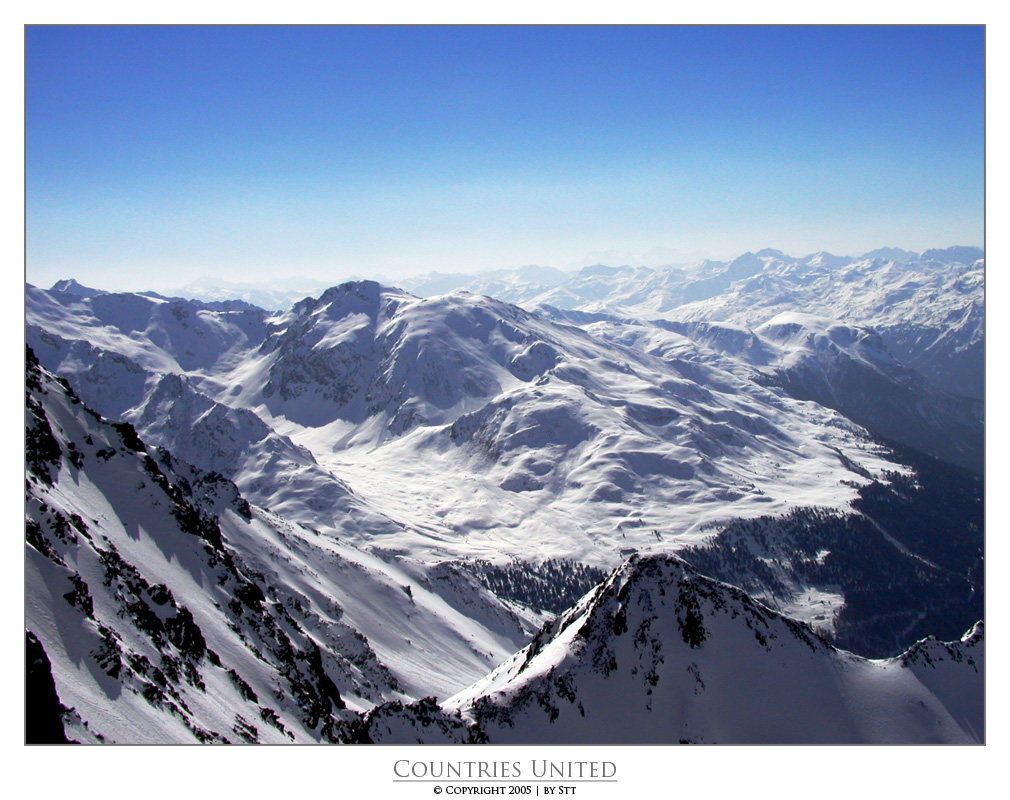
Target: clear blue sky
158,155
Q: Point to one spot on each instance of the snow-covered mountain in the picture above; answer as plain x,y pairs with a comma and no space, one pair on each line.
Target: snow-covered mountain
511,285
542,432
132,357
841,366
665,655
658,654
849,369
70,286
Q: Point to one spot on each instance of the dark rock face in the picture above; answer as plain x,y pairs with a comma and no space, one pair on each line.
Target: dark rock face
43,709
421,722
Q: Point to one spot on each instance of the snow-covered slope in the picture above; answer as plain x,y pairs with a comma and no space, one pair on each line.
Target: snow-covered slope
536,432
173,610
841,366
154,631
849,368
660,654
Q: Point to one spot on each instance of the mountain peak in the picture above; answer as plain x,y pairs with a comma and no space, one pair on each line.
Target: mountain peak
889,254
745,265
357,295
825,259
359,288
667,654
71,286
955,255
598,270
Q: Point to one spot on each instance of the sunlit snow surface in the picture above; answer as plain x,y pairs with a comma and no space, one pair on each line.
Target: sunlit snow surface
476,428
661,654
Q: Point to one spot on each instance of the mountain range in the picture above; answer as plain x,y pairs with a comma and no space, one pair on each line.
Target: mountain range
376,516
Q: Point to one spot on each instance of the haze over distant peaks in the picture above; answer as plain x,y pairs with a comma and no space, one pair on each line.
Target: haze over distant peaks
520,284
275,294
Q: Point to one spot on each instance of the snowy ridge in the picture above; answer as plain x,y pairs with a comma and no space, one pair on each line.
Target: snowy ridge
845,367
70,286
122,356
664,654
510,285
274,295
850,369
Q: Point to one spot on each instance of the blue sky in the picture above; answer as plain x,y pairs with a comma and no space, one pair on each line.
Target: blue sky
159,155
